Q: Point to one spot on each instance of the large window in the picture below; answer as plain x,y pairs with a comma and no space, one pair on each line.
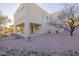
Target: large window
34,27
20,28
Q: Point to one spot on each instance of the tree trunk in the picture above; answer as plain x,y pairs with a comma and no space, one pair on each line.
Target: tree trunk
71,32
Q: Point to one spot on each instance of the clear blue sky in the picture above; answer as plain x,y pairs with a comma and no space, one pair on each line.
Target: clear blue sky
8,9
51,7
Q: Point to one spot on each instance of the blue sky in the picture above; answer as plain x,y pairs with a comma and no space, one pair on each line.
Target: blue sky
51,7
8,9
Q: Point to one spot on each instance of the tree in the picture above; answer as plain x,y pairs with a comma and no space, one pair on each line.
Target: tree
70,14
4,20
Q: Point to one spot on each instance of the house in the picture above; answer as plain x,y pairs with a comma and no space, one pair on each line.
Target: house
31,20
57,18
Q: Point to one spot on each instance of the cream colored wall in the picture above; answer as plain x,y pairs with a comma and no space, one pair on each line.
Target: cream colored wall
38,17
31,13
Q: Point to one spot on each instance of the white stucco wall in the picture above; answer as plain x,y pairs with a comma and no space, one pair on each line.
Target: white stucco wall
31,13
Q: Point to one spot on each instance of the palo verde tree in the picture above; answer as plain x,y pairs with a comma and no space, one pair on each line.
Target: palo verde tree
71,18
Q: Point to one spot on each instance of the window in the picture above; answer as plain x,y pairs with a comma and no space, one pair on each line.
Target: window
34,27
20,28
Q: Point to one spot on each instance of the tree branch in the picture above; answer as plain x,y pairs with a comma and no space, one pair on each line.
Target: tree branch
59,26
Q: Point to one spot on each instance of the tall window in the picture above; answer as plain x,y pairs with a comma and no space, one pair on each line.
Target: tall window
34,27
20,28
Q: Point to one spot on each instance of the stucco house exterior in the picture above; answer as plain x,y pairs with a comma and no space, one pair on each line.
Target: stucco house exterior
31,20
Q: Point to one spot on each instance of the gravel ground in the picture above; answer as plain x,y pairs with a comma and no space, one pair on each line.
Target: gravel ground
25,52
